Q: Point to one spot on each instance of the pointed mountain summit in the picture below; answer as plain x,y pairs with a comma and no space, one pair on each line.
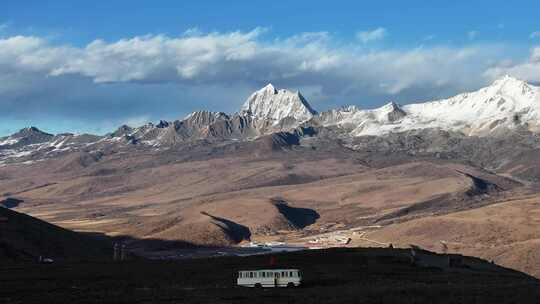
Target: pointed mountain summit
26,136
510,86
273,104
507,79
391,112
30,132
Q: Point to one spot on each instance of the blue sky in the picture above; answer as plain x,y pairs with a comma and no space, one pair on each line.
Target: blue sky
90,66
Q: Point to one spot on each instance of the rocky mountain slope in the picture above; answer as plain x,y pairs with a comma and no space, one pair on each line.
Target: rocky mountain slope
266,189
275,105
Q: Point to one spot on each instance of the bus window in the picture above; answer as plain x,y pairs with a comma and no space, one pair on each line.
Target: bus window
291,274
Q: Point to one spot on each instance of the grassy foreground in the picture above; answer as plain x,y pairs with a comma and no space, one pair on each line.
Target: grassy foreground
330,276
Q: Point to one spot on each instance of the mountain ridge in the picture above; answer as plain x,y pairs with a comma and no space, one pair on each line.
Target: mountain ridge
277,104
507,104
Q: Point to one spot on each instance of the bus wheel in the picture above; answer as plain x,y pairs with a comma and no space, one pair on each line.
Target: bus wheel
258,285
290,285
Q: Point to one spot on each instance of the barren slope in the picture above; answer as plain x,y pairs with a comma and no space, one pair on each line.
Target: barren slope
226,193
507,233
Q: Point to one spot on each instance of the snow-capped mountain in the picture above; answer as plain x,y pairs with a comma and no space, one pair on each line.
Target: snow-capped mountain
267,110
508,103
365,122
272,104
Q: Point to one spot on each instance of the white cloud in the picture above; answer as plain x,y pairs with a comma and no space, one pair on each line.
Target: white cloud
161,58
372,35
246,59
241,57
528,70
535,35
25,53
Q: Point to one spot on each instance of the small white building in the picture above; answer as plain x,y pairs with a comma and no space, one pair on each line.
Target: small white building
269,278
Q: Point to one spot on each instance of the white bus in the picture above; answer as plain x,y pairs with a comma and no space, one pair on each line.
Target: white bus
269,278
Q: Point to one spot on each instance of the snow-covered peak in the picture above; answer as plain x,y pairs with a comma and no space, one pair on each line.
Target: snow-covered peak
349,108
390,112
510,86
507,79
390,106
507,103
270,88
270,103
506,98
